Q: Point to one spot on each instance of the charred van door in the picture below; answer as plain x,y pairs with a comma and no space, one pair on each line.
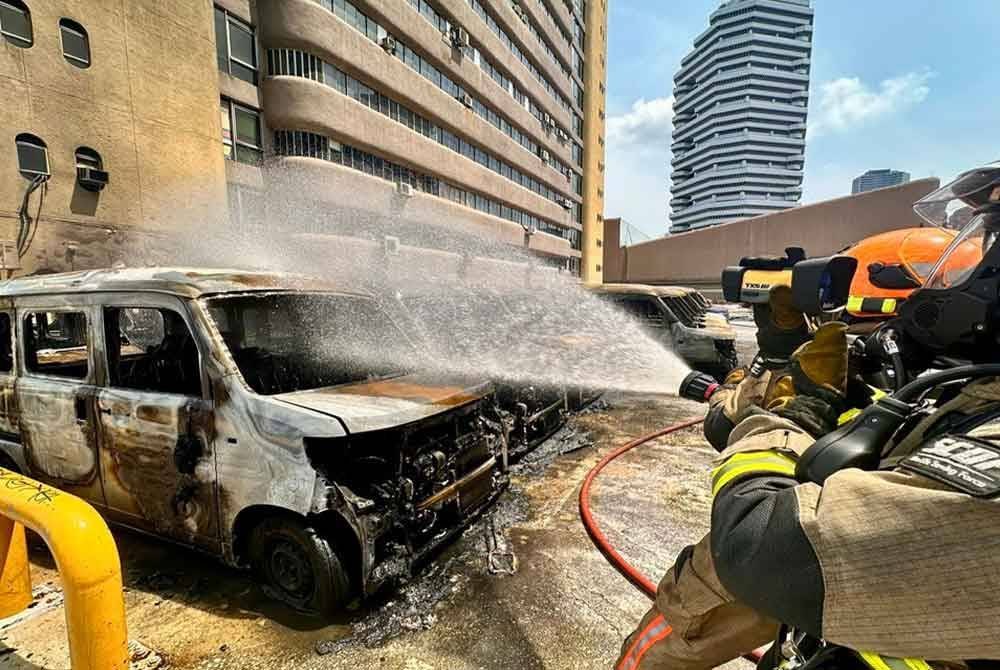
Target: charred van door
10,434
156,422
55,397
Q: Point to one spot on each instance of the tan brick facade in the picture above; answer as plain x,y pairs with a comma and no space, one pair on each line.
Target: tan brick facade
147,104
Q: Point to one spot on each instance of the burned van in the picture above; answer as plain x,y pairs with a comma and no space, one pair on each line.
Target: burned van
682,320
269,420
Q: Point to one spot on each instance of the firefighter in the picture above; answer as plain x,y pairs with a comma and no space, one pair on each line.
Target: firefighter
903,562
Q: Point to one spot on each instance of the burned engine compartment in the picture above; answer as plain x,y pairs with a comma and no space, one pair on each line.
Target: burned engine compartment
414,486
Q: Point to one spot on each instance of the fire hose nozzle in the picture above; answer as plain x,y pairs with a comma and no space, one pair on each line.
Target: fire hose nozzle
698,386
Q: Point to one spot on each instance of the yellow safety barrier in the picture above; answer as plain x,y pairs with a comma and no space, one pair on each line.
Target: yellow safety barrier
86,557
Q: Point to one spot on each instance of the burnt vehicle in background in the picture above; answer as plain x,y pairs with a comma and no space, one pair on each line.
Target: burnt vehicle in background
268,420
489,330
682,319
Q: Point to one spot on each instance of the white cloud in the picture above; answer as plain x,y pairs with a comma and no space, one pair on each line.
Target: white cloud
638,164
648,124
846,103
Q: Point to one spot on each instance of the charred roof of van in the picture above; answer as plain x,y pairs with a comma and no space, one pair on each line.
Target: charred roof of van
644,289
179,281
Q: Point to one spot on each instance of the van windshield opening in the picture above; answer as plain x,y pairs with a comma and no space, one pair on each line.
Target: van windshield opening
284,342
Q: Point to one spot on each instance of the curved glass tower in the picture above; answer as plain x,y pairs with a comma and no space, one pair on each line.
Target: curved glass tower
741,98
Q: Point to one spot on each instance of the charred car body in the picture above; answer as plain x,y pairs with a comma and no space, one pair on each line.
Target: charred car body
260,418
681,319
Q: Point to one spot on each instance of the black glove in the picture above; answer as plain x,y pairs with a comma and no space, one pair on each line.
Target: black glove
818,416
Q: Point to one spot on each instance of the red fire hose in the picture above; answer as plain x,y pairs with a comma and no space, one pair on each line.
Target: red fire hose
600,540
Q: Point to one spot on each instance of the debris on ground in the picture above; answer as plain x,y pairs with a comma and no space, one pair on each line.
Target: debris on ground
142,657
500,556
483,549
598,406
566,440
409,610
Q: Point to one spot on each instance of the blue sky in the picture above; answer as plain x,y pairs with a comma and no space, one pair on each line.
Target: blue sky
905,84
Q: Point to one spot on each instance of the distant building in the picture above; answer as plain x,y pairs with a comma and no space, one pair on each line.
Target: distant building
741,99
874,179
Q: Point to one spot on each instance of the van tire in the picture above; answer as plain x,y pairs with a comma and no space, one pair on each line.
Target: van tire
298,566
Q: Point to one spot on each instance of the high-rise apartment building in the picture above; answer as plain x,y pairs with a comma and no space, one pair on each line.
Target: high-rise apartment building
485,113
874,179
741,98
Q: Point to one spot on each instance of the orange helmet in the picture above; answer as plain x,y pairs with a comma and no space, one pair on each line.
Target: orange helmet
891,266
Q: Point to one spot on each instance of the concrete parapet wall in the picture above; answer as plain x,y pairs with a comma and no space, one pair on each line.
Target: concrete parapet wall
697,258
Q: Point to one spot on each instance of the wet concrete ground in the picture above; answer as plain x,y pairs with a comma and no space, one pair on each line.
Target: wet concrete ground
563,606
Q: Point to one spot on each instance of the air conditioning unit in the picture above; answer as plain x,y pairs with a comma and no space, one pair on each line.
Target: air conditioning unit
465,99
519,10
547,120
390,244
459,37
563,136
92,179
545,155
404,189
566,203
389,44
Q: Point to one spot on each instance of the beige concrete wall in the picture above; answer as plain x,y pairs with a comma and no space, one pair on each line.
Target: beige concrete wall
514,26
551,30
148,104
335,42
614,257
823,228
302,24
355,194
416,270
308,105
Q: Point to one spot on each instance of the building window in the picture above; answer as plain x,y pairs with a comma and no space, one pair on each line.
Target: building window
241,138
235,47
15,23
32,156
76,43
88,158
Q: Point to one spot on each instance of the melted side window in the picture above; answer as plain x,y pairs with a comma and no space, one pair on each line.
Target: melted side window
643,309
55,343
151,349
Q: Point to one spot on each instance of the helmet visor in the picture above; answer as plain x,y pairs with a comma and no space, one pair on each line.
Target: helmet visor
953,205
962,256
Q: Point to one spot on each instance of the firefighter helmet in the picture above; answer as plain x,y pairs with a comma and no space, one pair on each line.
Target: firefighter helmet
891,266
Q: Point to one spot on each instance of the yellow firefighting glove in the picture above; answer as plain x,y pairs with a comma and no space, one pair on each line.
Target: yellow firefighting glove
781,328
738,392
818,381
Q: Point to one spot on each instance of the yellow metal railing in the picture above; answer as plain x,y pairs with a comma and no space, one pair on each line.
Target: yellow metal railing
86,557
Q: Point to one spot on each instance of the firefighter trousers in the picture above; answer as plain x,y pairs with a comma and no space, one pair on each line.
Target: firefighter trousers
694,624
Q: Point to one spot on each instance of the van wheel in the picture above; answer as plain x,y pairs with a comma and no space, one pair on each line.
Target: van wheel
299,566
